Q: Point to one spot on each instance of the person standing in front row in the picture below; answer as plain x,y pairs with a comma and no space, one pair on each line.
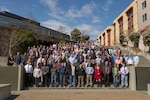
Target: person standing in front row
98,74
89,75
73,75
81,74
62,74
28,74
44,77
115,72
53,76
124,75
37,75
106,70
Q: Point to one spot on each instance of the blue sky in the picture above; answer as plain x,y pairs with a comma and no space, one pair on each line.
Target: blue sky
89,16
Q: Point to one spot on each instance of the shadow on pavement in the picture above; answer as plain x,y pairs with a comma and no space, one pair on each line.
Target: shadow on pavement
12,97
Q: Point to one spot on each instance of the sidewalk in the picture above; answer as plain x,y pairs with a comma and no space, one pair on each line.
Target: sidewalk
78,94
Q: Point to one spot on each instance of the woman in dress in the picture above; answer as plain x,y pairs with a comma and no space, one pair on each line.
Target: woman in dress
98,75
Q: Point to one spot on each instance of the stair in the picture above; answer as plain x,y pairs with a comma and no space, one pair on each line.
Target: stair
144,62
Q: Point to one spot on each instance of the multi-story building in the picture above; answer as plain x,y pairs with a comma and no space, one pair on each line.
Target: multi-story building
125,23
8,19
106,37
143,20
143,13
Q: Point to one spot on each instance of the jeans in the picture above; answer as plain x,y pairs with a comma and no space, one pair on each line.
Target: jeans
62,80
37,81
53,78
124,80
73,80
115,80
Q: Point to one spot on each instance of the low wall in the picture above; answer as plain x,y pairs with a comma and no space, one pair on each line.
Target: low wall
5,91
139,77
12,75
142,77
148,89
132,78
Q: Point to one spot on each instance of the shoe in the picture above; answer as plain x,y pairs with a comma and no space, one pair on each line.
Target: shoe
126,86
70,86
64,86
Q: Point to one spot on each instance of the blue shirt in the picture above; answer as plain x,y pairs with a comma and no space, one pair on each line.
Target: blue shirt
136,59
62,70
89,70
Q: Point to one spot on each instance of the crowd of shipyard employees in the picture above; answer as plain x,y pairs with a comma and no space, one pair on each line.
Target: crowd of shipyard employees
81,64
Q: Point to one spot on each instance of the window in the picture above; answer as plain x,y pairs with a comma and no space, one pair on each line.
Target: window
120,21
130,13
129,24
144,17
144,4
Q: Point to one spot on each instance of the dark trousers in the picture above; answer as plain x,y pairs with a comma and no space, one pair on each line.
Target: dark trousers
28,79
106,79
45,80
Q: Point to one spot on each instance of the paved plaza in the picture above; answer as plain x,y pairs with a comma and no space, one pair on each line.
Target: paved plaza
79,94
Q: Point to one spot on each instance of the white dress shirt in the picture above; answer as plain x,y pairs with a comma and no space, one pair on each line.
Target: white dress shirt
124,70
28,68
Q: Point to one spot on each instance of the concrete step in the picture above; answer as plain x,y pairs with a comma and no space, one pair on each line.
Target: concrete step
143,62
125,52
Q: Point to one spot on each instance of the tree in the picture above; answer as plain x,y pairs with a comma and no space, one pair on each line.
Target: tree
122,38
61,29
134,37
75,34
85,37
13,37
62,41
30,16
146,38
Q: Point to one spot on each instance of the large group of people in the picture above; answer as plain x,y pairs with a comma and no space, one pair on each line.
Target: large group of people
81,64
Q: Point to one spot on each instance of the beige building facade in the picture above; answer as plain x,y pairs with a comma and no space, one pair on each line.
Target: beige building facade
106,37
143,20
143,13
125,23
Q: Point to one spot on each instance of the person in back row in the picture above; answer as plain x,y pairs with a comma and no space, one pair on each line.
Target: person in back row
135,59
10,60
